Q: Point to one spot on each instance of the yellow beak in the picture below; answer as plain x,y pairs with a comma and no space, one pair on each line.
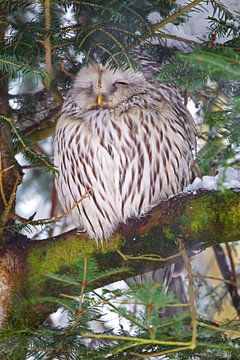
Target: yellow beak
100,100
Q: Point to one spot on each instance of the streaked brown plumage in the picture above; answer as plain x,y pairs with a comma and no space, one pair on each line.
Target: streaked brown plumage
127,141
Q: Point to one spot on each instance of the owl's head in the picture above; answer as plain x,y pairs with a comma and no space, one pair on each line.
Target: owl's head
99,86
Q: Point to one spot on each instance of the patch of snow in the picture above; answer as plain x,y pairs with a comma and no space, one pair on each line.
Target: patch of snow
227,178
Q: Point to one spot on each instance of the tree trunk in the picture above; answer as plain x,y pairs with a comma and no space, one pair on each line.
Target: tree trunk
9,179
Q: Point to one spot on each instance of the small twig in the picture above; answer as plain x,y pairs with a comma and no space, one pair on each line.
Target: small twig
1,182
207,277
176,15
54,220
137,340
147,257
178,38
188,267
216,328
162,23
53,208
83,286
81,296
154,354
71,75
8,206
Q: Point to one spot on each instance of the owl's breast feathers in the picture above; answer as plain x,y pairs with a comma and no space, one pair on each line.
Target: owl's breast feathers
129,157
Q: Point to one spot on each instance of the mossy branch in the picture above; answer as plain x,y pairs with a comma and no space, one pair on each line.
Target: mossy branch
200,219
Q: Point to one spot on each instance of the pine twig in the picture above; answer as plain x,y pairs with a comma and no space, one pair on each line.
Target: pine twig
188,267
25,146
81,296
148,257
176,15
207,277
55,219
179,38
83,286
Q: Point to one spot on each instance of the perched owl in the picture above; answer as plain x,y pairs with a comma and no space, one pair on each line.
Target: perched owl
128,142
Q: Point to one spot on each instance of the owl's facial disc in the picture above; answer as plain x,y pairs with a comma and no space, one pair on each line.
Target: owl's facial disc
100,86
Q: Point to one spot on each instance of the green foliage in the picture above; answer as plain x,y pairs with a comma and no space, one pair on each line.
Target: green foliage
182,74
22,144
219,66
150,330
223,140
223,22
217,63
101,31
15,68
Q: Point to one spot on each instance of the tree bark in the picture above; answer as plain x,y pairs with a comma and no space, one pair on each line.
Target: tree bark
200,219
9,169
10,177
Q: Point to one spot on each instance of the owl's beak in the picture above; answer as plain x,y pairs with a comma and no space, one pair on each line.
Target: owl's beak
100,100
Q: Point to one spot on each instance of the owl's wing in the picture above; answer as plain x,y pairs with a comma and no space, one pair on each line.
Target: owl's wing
153,152
85,164
173,96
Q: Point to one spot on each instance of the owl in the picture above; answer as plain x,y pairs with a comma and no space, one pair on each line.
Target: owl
126,141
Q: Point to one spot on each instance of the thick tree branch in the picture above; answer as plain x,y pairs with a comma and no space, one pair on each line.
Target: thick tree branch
201,220
44,128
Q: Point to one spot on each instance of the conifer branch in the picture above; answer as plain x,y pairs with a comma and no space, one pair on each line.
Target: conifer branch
176,15
21,144
156,27
13,66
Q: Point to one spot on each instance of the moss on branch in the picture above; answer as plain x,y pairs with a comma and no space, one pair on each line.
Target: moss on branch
202,220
